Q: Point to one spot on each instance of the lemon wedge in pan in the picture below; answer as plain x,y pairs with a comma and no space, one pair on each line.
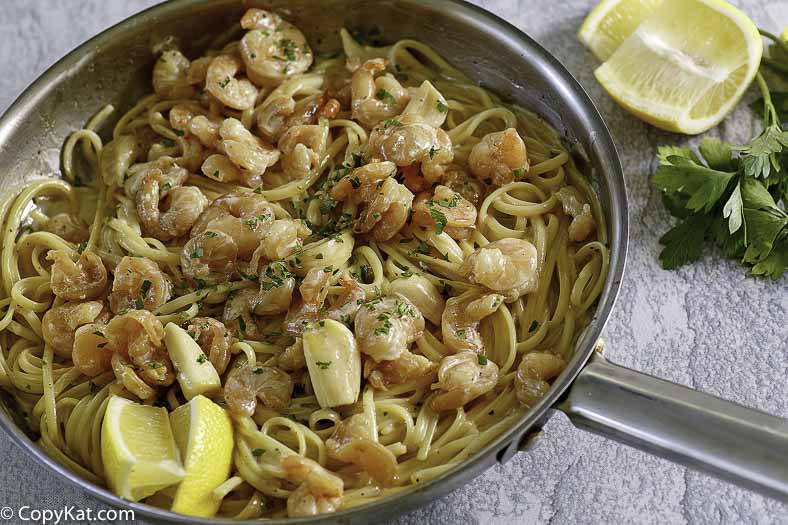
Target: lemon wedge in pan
138,449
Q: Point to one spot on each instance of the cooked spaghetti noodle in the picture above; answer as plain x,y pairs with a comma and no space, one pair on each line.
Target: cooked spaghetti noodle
378,188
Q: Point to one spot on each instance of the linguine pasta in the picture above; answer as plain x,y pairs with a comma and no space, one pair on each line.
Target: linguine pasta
271,191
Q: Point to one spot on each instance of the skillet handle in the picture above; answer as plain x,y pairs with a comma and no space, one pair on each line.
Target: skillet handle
736,443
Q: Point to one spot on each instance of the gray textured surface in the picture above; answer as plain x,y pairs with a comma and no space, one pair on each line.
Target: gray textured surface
707,326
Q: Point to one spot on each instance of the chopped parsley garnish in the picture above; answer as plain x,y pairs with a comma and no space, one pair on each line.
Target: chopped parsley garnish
223,84
391,122
202,358
442,108
288,49
326,205
482,359
211,234
423,248
197,253
460,333
169,143
257,452
329,268
533,327
385,96
519,172
258,190
258,371
438,216
323,364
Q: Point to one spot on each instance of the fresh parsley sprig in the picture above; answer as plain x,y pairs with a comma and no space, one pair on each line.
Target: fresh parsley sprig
732,196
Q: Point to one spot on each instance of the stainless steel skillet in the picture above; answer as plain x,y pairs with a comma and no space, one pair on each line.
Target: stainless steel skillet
740,444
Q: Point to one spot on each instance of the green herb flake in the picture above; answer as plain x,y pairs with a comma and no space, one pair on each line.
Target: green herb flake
323,365
385,96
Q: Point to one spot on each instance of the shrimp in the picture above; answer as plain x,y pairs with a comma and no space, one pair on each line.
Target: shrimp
139,284
460,320
68,227
220,81
214,340
385,328
244,216
353,441
387,203
292,358
204,127
319,490
220,168
272,114
85,279
508,266
283,238
246,150
533,374
245,385
499,158
423,294
313,290
462,378
376,99
60,322
169,76
198,70
170,175
575,206
167,216
446,211
277,285
435,165
126,374
403,141
209,256
302,148
117,157
273,49
349,186
456,178
90,355
138,335
407,367
347,305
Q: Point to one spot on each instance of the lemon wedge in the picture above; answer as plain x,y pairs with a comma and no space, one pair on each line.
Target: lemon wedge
138,449
204,436
686,66
611,22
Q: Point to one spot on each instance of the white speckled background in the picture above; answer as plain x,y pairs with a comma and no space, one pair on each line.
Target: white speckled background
708,326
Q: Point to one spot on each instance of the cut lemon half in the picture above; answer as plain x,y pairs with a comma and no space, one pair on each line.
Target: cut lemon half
686,66
611,22
204,436
138,449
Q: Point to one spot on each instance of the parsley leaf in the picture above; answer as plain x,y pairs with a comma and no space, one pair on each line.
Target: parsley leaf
386,97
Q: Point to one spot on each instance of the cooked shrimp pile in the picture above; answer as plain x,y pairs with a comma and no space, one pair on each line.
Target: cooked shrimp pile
384,264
